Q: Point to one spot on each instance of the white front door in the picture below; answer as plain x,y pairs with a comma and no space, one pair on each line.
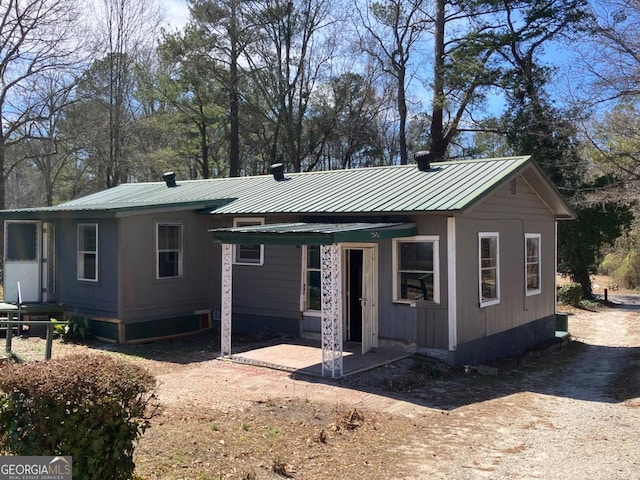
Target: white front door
22,261
360,282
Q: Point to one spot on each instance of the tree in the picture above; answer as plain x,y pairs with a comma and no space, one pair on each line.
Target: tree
391,31
126,29
293,46
344,123
191,85
225,32
36,37
552,141
502,41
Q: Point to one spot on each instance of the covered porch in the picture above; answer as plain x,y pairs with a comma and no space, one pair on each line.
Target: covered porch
329,237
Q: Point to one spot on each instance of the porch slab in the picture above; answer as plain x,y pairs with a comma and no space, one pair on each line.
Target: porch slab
305,356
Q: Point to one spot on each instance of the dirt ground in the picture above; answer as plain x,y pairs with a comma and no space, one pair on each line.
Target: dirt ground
567,412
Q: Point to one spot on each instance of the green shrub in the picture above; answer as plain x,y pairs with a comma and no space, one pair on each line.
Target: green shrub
570,294
91,407
77,329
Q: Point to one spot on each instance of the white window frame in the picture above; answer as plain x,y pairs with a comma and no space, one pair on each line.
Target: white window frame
180,250
80,256
532,291
494,300
247,222
435,240
304,299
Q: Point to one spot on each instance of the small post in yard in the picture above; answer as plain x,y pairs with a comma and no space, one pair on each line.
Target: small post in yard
606,295
7,346
49,344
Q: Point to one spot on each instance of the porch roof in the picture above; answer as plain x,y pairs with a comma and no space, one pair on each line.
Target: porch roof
300,233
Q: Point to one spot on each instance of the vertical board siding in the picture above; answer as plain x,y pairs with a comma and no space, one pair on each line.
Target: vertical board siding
423,323
272,289
433,328
511,215
142,295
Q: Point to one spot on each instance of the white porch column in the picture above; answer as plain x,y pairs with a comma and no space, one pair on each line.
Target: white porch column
226,300
331,310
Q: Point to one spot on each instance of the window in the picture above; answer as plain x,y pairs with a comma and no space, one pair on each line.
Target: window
169,250
489,269
532,263
88,252
416,267
312,279
22,241
248,254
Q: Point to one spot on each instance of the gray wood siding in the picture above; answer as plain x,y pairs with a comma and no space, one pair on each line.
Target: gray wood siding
511,215
425,323
272,289
142,295
90,298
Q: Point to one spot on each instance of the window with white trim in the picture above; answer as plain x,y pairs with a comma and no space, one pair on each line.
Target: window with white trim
88,252
168,250
416,269
489,267
246,254
312,279
532,263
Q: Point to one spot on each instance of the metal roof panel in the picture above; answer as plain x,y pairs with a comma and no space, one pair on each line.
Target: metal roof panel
446,186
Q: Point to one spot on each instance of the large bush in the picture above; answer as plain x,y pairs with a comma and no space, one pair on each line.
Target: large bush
91,407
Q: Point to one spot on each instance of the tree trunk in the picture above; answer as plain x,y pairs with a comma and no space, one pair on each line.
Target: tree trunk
234,140
402,113
437,144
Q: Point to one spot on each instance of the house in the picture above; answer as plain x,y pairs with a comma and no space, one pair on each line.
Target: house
453,259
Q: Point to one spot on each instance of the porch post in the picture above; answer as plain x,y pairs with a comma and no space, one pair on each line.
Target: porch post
226,300
331,310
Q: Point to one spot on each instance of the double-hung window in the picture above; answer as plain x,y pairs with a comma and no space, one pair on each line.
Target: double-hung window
88,252
416,269
168,250
248,254
312,279
532,263
489,279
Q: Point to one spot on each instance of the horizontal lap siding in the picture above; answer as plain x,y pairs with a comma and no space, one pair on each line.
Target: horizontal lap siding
511,215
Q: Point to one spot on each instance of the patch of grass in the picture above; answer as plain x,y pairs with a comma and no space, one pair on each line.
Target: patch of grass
245,426
214,427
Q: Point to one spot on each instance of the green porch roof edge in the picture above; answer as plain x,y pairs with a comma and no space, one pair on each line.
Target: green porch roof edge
313,233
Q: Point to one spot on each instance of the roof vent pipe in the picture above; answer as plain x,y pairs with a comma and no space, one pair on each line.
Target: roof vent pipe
423,159
170,179
277,170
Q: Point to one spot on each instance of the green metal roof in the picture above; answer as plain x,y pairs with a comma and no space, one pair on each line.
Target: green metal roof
445,187
313,233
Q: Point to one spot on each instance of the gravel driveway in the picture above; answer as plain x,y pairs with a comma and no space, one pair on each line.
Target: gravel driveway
580,424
